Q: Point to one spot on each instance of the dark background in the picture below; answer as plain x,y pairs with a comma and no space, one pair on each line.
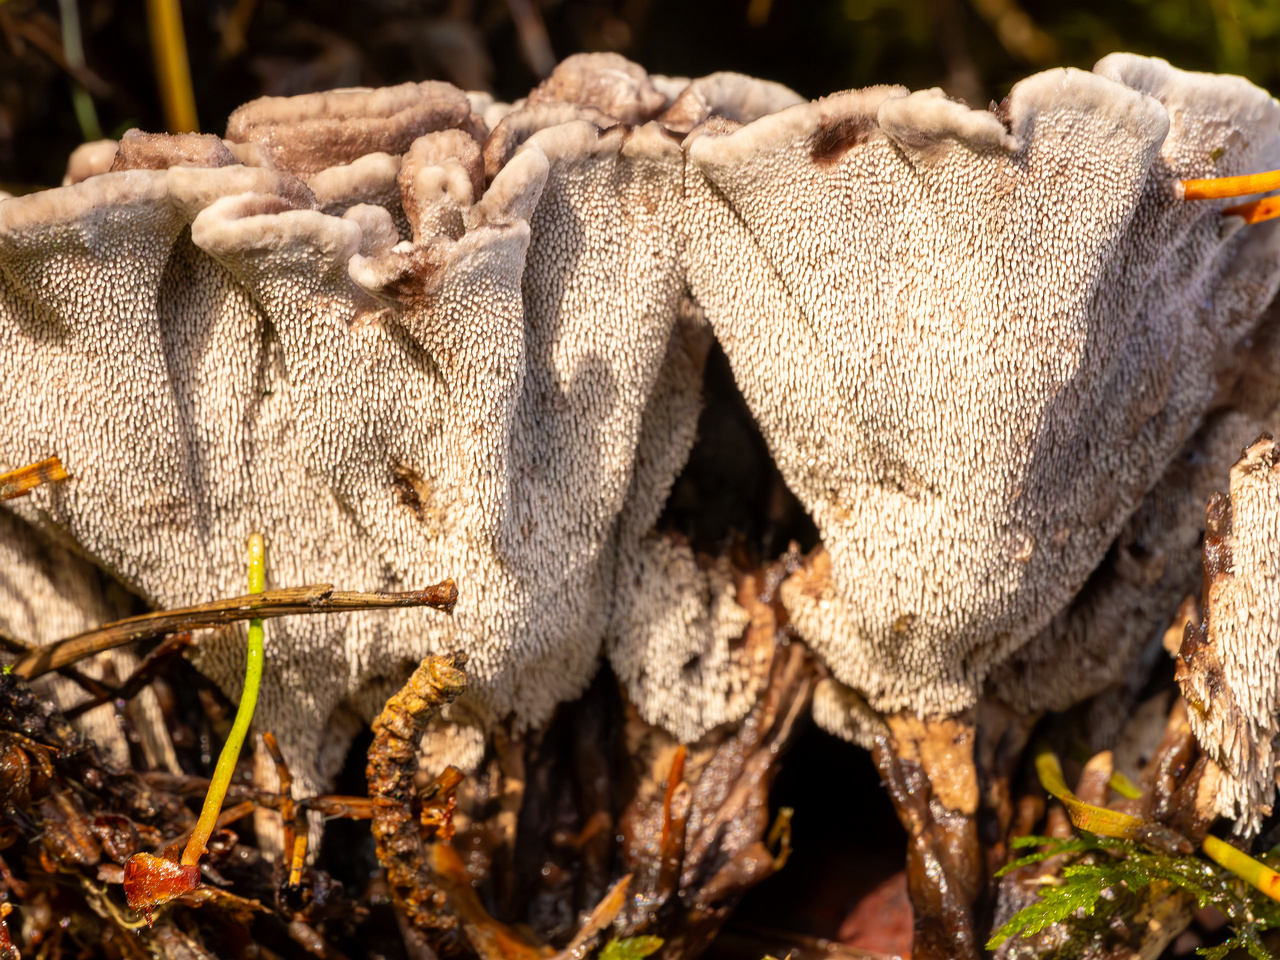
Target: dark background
974,49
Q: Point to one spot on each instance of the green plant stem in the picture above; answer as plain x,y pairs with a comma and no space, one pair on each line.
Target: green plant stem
1242,865
221,779
73,50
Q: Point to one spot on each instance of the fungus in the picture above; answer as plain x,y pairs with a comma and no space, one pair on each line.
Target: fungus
608,82
973,405
307,133
732,96
400,409
973,340
1155,561
1226,666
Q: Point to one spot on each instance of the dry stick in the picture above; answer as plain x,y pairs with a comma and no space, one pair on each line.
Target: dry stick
328,804
321,598
151,664
532,33
20,482
286,791
293,815
99,692
48,43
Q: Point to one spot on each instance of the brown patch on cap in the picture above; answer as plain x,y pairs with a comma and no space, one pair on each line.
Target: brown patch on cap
410,490
297,194
160,151
262,205
606,81
308,133
414,277
834,138
689,110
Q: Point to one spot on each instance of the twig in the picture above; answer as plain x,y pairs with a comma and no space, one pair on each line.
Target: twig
99,692
285,803
20,482
41,32
234,26
321,598
327,805
311,941
137,681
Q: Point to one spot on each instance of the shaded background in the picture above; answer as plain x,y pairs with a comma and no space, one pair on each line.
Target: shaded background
240,49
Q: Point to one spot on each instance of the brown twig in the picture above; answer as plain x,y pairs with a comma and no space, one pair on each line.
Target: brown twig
153,663
293,601
41,31
98,691
327,805
310,940
285,802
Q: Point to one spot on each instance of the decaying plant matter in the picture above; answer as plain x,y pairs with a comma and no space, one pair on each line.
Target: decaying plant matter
999,355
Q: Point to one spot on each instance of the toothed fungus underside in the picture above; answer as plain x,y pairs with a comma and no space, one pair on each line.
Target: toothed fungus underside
1227,666
974,403
403,347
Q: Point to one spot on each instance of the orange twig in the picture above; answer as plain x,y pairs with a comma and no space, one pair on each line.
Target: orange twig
20,482
1265,209
1217,188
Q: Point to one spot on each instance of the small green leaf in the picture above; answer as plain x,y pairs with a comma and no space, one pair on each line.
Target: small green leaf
630,948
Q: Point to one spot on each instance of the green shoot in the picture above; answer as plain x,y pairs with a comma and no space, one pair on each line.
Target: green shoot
150,881
630,948
221,779
1244,866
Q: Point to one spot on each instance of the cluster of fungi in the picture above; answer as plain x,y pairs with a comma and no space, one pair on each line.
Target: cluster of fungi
1003,358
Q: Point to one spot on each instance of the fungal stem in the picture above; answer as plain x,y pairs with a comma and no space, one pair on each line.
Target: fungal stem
221,779
1218,188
